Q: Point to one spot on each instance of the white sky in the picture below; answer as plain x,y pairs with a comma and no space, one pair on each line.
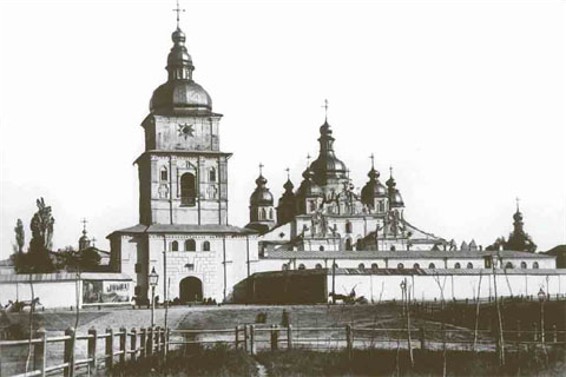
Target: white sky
465,100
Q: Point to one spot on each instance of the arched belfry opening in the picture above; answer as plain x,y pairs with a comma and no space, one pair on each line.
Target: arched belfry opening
190,289
188,189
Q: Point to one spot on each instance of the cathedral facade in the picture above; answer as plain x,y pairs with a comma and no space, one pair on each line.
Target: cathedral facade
324,224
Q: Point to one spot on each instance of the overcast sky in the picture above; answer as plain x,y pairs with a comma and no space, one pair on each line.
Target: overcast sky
465,99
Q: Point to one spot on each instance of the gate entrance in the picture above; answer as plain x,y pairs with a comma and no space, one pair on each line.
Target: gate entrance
190,289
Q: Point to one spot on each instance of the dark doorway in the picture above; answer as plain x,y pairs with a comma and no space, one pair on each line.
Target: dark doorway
190,289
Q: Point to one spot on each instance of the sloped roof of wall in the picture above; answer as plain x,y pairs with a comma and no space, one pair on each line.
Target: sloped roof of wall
62,276
365,254
183,228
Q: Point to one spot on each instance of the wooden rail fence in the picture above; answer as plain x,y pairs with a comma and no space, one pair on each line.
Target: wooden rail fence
111,348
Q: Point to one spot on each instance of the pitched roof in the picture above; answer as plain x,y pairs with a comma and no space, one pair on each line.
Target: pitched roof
183,228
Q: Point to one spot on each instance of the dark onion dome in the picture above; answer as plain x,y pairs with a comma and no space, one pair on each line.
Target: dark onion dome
261,195
327,166
373,189
395,198
180,92
308,187
287,204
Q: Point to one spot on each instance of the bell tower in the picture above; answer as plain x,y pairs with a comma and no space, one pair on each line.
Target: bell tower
183,175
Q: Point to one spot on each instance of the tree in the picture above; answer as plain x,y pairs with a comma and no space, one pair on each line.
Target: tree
41,238
20,236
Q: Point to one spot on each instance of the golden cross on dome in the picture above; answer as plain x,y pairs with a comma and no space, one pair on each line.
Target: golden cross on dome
308,160
371,157
178,11
288,176
93,241
84,224
325,106
391,171
517,200
260,168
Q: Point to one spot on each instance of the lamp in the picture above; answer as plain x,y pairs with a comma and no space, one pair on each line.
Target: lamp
153,279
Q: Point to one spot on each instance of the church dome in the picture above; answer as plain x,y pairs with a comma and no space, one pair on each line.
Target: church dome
180,93
327,166
261,195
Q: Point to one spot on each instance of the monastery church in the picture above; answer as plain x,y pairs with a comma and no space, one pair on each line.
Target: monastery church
323,227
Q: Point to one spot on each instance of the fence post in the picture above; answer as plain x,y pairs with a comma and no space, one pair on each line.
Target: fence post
246,338
167,336
92,348
236,340
423,339
554,334
143,342
349,341
133,344
122,340
69,354
109,350
274,337
158,339
289,337
535,332
149,341
40,352
252,340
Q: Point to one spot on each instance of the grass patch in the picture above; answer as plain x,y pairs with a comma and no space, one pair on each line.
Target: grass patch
217,361
427,363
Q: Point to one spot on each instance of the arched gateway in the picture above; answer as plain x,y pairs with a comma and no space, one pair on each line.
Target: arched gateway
190,289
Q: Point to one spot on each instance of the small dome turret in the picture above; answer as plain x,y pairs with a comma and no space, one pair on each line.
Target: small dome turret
395,198
261,195
373,188
262,215
286,209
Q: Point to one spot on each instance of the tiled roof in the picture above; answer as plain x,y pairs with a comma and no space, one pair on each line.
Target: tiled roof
365,254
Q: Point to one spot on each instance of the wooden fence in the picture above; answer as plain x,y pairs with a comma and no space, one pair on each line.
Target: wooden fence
114,348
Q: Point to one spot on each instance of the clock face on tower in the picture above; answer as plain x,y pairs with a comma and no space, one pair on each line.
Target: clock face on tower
186,130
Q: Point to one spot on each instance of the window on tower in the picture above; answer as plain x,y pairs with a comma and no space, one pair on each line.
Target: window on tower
163,174
188,190
190,245
212,175
206,246
174,246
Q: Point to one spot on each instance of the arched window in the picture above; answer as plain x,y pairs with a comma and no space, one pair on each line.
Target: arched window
361,267
400,266
381,206
212,175
416,265
523,265
509,266
188,190
374,266
470,266
431,266
206,246
359,244
190,245
312,205
348,245
271,214
348,227
163,174
321,248
174,246
302,266
318,266
285,267
262,213
457,266
535,265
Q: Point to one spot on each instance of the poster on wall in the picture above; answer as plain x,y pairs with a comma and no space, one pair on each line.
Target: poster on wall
100,291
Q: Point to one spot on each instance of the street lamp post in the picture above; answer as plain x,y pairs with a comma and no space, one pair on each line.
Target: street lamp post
153,279
541,297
